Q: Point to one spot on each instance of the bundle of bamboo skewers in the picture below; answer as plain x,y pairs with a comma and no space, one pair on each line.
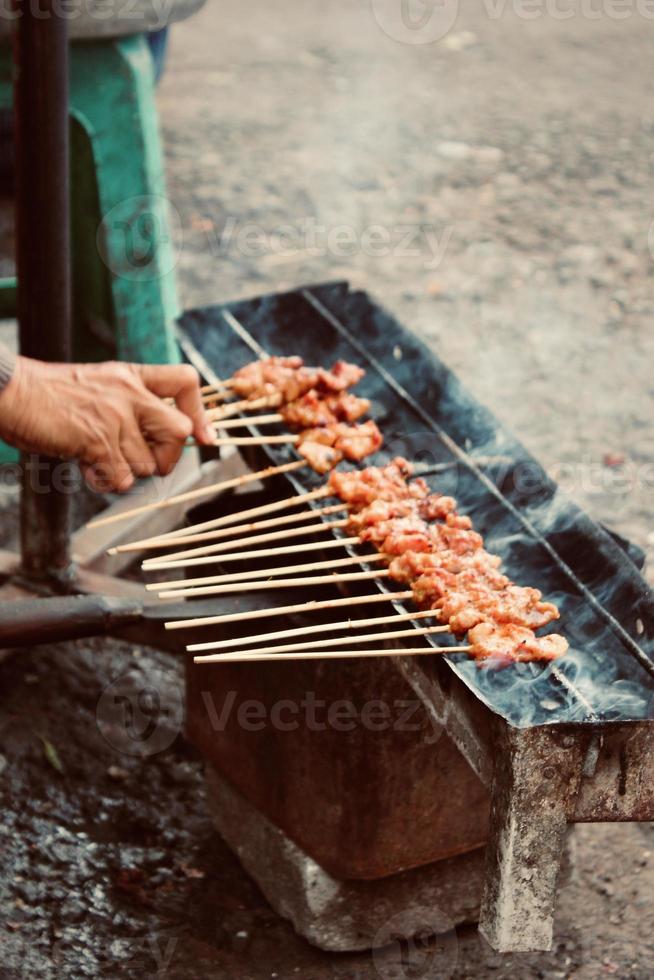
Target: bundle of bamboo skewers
239,537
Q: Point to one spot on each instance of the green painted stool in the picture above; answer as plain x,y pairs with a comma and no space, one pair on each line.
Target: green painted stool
124,291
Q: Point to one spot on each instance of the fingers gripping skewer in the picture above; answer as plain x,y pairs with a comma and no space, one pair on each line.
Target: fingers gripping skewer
302,608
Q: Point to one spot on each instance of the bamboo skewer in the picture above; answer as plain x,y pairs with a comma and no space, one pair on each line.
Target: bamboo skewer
186,535
166,561
173,537
241,423
216,386
245,658
287,440
383,637
348,625
227,532
181,498
257,574
243,405
313,605
212,401
292,549
182,537
285,583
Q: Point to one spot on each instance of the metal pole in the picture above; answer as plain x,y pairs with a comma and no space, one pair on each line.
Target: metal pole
43,257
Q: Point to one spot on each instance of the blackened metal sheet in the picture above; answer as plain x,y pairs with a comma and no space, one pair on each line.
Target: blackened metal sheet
546,541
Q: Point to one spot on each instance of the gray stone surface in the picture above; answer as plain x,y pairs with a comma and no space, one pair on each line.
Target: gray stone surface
343,916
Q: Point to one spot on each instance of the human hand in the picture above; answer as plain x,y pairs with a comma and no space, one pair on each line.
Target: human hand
111,416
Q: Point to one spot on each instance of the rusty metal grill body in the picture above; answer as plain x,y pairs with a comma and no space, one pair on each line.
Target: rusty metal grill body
555,744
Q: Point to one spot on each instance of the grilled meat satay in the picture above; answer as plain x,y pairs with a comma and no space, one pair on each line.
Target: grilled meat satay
313,409
508,643
340,376
439,554
272,375
353,442
363,487
477,603
289,378
319,451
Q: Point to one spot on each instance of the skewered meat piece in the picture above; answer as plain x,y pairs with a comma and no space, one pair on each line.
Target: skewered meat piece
480,573
446,564
436,507
312,410
317,447
309,411
340,376
399,541
457,539
358,441
429,509
508,643
320,455
363,487
475,566
325,446
429,589
477,603
433,537
269,376
353,442
380,510
461,521
346,406
288,377
395,533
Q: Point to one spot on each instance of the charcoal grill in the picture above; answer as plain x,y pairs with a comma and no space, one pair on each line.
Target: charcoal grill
558,744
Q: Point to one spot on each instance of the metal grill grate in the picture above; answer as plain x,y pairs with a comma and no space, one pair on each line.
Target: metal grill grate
543,538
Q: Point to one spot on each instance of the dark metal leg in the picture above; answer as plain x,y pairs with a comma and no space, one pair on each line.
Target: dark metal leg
536,782
43,257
